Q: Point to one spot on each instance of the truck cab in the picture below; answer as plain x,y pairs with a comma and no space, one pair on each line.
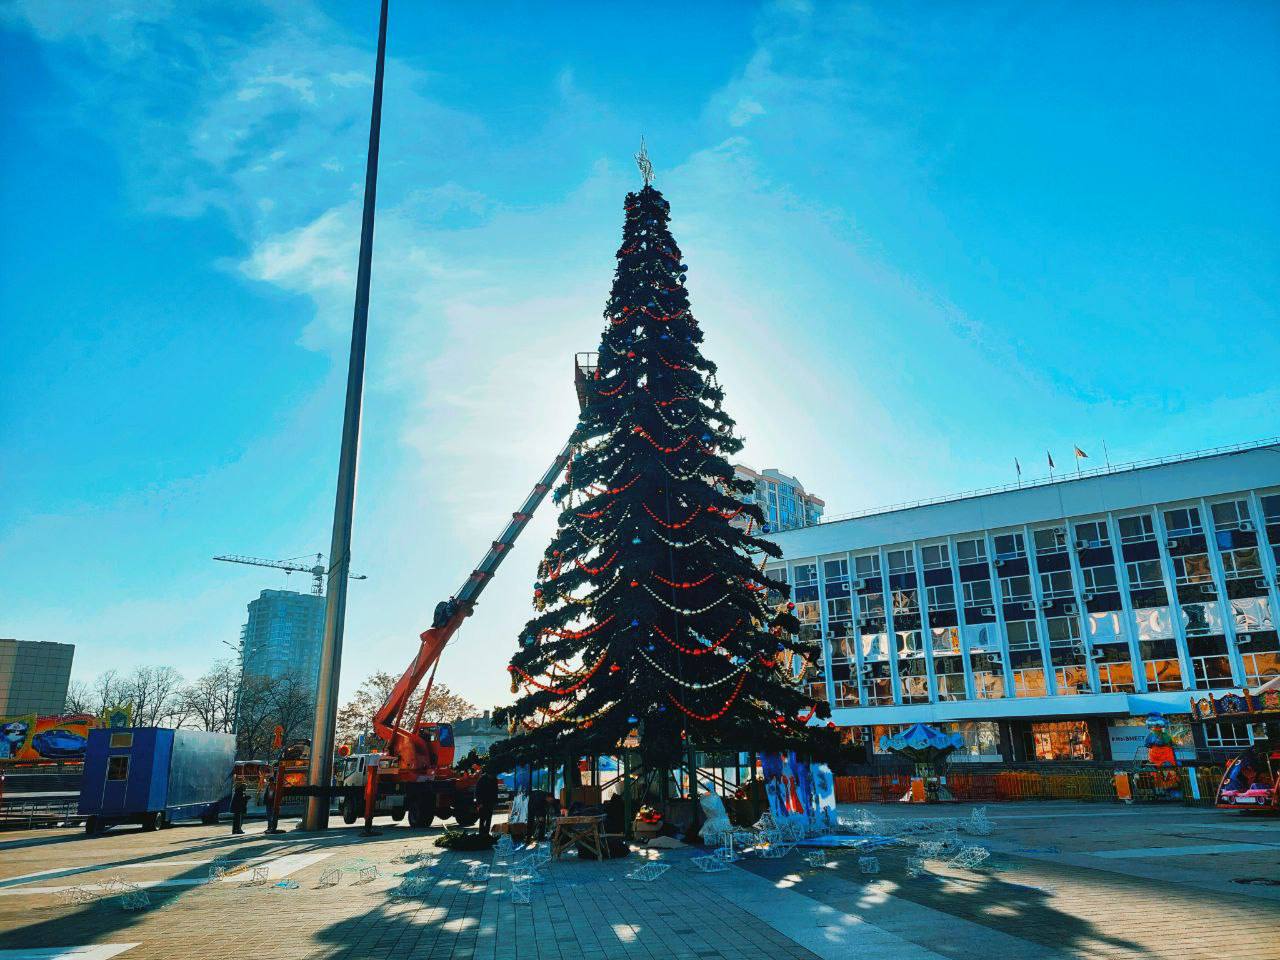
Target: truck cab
352,771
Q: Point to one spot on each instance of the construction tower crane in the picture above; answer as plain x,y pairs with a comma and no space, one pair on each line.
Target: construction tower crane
318,570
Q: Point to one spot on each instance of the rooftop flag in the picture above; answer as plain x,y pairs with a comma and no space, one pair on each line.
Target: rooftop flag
1080,454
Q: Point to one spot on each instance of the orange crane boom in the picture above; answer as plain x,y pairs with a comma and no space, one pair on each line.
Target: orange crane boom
418,754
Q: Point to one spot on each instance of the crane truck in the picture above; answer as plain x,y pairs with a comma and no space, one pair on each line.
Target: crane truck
415,773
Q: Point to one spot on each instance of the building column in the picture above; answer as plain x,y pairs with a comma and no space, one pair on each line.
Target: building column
891,638
1265,554
1042,622
1175,605
961,631
997,597
1126,605
1220,588
824,638
926,639
1077,584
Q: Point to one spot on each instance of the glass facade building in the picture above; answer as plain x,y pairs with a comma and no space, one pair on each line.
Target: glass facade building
283,636
782,498
1022,613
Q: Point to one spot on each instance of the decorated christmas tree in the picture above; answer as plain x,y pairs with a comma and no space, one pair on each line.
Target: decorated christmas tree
653,611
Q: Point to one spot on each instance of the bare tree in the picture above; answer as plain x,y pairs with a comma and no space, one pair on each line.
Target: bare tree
355,718
267,702
210,701
156,695
80,699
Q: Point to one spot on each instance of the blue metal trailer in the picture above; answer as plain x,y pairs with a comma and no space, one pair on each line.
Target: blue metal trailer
154,776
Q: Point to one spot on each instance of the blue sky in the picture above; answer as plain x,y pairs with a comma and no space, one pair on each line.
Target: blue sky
923,238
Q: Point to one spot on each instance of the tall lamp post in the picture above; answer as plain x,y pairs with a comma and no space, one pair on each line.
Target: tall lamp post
335,610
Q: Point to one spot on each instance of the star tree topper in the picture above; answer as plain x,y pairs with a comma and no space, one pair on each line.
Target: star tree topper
642,161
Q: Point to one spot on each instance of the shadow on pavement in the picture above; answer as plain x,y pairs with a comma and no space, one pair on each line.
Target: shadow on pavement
52,925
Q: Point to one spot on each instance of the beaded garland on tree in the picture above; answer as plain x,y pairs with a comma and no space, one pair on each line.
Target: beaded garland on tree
648,584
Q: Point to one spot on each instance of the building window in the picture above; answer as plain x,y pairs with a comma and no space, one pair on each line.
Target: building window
1271,508
1010,546
1227,736
900,561
1062,631
946,640
867,566
913,680
1241,564
1231,515
846,693
1050,540
1022,635
1015,589
1100,579
949,674
1028,681
905,602
1136,529
872,605
1154,623
878,684
971,551
1072,678
775,595
977,593
988,676
1145,574
1252,614
1160,664
1210,664
1092,534
1261,656
835,569
121,741
981,741
117,768
1192,568
806,574
941,597
1064,740
1056,584
1183,522
935,556
875,646
1116,676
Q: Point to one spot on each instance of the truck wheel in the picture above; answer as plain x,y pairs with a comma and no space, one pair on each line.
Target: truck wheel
347,810
210,819
92,825
398,814
420,814
467,816
150,821
162,821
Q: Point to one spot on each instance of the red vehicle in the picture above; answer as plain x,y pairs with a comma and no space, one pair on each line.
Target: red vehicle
1252,780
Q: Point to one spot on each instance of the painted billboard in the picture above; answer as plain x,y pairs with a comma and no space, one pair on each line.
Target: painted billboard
28,737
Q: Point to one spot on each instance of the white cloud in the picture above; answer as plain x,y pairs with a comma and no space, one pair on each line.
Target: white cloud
746,110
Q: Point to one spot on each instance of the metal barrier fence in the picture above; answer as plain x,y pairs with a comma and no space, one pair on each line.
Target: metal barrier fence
17,813
1093,784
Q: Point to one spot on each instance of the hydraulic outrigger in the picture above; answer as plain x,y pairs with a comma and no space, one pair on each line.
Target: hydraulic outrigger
418,761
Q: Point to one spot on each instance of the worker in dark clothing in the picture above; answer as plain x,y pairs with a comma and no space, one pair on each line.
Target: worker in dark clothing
538,815
486,797
239,806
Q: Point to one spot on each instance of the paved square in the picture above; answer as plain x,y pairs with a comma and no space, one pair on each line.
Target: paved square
1064,880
